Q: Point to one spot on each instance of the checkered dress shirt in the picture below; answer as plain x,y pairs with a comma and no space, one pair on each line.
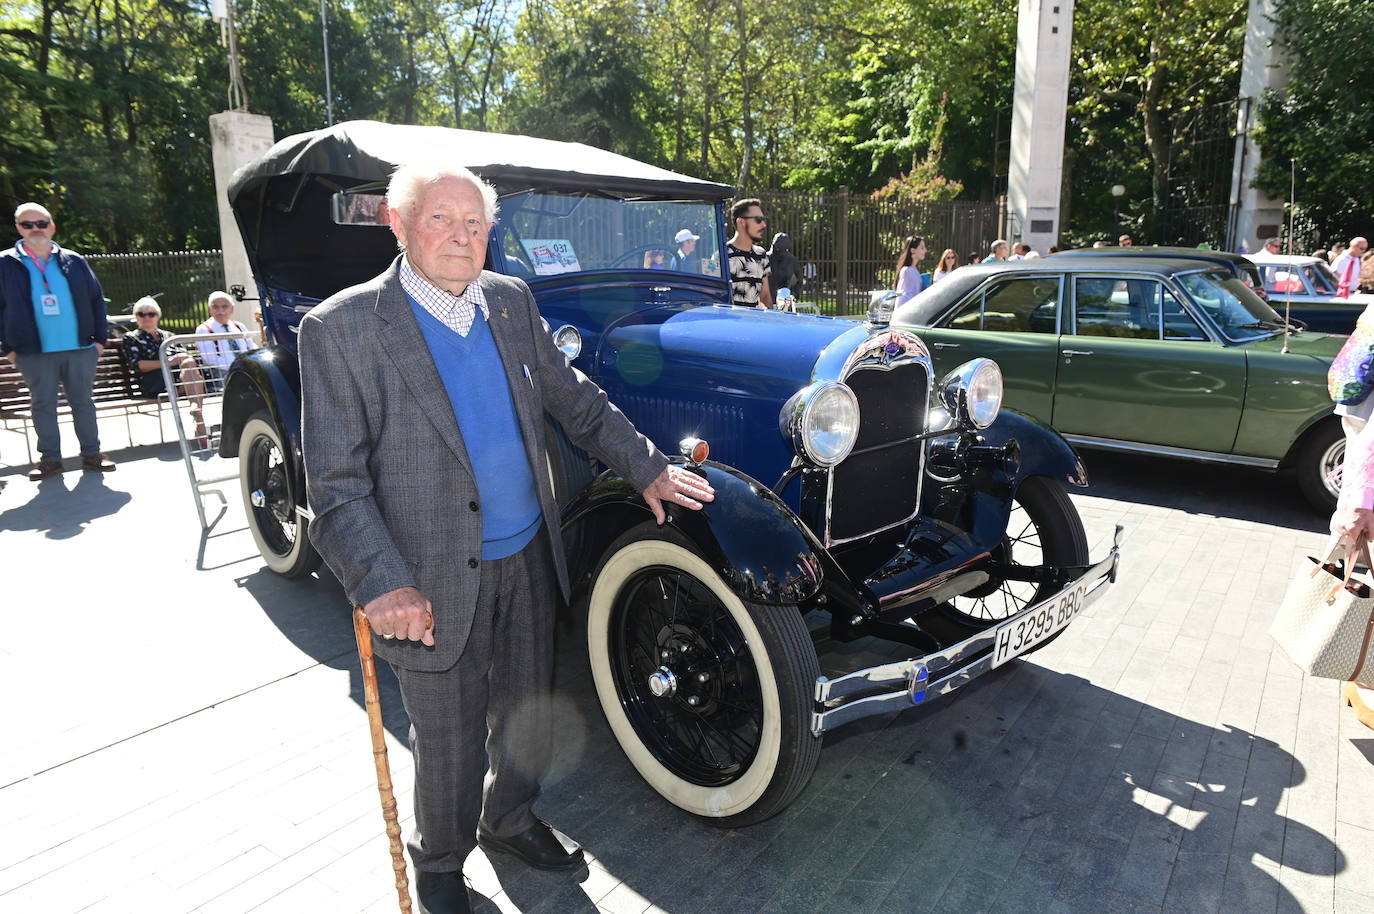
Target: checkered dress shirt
456,312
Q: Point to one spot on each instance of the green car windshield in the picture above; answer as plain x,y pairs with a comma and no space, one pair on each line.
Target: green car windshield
548,234
1236,310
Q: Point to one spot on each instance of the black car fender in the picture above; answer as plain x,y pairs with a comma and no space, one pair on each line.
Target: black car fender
270,379
760,548
1042,451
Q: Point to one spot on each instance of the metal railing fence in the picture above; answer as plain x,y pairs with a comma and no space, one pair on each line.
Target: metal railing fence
181,280
848,243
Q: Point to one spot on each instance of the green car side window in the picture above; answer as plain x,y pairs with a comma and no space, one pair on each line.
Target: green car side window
1024,305
1136,309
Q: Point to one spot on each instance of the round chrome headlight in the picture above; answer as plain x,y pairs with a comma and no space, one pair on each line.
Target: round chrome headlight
822,422
973,392
568,341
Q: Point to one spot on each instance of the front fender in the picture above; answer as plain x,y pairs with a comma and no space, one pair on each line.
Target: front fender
270,379
1044,452
748,535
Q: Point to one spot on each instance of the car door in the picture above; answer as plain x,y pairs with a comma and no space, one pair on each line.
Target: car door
1135,365
1014,321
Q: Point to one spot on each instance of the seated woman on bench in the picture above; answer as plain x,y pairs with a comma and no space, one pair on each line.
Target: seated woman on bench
141,352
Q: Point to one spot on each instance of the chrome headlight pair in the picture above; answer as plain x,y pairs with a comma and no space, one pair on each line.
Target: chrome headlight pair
822,422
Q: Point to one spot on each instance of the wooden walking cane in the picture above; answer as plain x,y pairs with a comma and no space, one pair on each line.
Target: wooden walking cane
373,699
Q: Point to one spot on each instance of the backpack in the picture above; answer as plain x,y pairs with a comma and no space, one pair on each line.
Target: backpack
1349,379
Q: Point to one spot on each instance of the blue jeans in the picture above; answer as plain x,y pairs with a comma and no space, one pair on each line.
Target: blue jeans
75,370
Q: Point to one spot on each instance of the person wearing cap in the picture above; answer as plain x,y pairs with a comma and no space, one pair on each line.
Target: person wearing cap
686,260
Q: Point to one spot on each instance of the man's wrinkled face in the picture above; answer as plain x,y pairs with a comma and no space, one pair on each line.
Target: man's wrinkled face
39,229
445,234
221,309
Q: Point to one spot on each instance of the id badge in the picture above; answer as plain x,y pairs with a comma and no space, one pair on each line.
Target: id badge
49,303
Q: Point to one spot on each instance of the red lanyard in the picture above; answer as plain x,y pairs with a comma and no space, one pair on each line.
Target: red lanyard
42,267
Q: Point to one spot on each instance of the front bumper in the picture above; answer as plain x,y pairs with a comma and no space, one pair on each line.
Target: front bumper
905,683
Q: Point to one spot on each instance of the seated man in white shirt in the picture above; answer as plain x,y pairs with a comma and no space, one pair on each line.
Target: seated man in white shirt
216,355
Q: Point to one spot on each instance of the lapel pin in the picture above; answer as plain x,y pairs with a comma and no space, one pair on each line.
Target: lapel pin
505,313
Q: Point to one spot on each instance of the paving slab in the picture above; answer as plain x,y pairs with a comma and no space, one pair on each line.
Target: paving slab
186,734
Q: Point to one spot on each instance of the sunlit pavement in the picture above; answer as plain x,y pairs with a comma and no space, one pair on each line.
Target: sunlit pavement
184,732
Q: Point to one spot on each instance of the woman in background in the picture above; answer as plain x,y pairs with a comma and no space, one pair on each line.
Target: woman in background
909,280
1354,517
949,262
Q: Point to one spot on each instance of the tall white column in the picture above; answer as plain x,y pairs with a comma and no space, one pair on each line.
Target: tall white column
1044,34
1258,216
236,138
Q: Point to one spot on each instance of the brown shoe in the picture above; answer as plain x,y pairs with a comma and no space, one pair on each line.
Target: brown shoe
45,468
100,462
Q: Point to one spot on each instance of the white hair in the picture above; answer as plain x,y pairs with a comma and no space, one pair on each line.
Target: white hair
25,207
409,181
147,303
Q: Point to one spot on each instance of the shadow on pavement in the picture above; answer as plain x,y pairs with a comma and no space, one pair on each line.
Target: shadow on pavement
61,513
1242,493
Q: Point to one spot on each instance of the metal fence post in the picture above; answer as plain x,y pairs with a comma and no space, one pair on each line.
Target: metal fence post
842,254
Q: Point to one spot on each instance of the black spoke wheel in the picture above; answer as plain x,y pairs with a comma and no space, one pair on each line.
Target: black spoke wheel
1319,461
269,500
710,697
1044,531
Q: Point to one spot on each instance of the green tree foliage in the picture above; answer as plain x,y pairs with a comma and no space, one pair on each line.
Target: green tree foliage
1143,77
1323,120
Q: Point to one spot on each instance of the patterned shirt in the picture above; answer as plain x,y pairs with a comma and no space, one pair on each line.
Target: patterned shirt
455,312
748,270
141,346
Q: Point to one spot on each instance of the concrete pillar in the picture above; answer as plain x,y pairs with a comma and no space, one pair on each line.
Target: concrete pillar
1258,216
1044,34
236,138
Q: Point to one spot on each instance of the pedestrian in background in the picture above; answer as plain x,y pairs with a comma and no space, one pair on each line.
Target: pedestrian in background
949,262
1336,251
909,280
999,252
785,265
750,269
1347,267
53,329
1124,241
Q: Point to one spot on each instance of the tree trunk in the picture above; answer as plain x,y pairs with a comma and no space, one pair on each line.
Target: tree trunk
746,161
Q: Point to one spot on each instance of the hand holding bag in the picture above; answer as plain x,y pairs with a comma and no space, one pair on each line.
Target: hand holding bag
1327,616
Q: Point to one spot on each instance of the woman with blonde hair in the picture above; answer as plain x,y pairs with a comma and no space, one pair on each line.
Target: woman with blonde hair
909,281
949,262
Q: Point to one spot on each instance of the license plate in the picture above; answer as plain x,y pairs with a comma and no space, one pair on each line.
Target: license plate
1034,626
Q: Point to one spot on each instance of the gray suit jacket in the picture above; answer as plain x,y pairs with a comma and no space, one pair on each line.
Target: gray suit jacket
393,493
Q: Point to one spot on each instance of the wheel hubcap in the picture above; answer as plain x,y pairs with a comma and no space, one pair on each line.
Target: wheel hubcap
663,683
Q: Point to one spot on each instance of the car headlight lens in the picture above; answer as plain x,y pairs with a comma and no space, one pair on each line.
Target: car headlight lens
822,422
973,392
568,341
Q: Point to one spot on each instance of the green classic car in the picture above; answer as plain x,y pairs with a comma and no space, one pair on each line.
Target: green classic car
1162,355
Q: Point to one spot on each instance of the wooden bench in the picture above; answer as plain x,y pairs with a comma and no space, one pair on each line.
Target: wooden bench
113,390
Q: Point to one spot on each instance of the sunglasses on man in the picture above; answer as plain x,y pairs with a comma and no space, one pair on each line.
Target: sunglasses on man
37,223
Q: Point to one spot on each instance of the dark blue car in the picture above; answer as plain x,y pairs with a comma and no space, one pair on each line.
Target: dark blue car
855,491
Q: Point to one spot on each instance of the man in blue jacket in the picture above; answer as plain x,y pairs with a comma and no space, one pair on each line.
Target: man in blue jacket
52,328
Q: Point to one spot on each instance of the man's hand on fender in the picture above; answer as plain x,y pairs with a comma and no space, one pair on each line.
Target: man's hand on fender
401,613
678,487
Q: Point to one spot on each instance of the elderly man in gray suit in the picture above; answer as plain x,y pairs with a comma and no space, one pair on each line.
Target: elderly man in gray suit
424,395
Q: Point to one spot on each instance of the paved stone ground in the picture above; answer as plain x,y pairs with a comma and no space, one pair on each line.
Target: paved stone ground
184,732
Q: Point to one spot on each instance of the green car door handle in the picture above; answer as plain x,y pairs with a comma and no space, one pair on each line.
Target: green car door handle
946,345
1073,352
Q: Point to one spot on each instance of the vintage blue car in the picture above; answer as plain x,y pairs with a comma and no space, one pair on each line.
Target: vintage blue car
853,487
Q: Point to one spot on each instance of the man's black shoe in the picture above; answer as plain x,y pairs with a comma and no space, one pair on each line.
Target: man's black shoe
442,893
537,845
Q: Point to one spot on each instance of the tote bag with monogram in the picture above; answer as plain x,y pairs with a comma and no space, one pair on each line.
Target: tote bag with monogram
1326,617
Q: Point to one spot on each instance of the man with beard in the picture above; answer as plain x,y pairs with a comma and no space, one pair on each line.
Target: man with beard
749,266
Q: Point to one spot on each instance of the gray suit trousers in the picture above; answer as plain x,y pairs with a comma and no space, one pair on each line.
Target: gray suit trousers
481,730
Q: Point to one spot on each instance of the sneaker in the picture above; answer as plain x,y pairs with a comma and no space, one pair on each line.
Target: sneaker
100,462
45,468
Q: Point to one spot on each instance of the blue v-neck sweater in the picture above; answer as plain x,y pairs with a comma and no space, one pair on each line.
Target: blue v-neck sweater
475,379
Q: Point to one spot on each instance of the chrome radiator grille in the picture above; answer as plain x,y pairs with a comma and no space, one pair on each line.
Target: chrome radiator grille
879,483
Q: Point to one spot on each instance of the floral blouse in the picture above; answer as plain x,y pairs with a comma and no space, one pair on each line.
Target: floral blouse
141,346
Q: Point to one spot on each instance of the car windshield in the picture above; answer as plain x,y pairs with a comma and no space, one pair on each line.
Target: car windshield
1321,278
544,234
1237,311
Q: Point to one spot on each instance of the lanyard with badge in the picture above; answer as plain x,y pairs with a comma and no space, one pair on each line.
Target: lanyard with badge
48,301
